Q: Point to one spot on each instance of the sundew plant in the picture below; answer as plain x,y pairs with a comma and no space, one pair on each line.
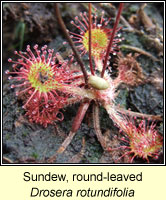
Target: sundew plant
47,84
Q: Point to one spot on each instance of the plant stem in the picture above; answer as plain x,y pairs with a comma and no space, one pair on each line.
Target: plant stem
80,115
63,27
90,38
76,124
111,39
96,123
136,114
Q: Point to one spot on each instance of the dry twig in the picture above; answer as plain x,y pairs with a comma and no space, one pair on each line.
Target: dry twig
139,51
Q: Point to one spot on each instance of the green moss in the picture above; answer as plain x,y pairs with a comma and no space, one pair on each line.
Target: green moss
35,155
24,134
132,39
8,136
